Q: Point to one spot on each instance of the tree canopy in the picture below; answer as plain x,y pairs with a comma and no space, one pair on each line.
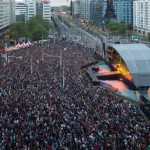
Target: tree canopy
34,28
116,28
148,36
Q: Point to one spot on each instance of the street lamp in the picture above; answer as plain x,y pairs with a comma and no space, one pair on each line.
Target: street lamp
63,77
63,69
31,65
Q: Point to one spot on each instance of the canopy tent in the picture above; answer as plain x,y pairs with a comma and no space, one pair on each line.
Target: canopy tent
137,59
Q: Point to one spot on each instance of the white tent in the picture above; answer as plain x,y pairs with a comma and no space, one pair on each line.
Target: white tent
137,59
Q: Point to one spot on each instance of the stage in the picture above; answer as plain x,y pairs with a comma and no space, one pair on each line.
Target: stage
111,80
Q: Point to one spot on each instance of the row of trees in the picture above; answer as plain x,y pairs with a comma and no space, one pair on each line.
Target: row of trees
64,21
149,36
34,28
122,29
119,28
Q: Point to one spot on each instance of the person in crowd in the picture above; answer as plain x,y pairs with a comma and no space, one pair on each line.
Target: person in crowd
38,111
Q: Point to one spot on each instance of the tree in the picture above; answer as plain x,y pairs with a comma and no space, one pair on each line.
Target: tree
18,30
38,27
116,28
149,36
130,27
39,31
34,28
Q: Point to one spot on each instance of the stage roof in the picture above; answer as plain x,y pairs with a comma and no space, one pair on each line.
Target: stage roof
137,58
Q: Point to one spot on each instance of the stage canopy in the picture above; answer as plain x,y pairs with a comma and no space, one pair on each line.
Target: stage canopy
137,59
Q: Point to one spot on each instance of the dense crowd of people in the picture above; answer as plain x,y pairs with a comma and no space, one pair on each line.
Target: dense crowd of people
38,111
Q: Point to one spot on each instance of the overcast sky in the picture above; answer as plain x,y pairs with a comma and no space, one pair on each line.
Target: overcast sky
59,2
55,2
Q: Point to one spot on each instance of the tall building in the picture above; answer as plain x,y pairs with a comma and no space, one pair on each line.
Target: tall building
47,10
81,8
38,8
75,9
141,16
31,11
89,9
7,13
96,11
104,7
84,9
21,12
123,11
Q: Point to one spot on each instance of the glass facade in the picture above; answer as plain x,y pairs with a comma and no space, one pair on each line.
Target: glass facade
123,11
96,8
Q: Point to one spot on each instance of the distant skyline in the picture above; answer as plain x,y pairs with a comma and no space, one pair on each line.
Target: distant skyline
55,2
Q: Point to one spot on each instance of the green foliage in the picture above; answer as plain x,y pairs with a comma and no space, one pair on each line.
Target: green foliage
130,27
18,29
55,25
149,36
116,28
34,28
67,24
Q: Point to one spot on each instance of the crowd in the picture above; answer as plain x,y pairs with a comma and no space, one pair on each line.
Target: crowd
37,113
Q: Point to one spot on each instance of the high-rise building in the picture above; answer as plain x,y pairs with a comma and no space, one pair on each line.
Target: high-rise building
39,8
21,12
123,11
141,16
96,11
75,9
7,13
81,8
31,11
89,9
84,9
47,10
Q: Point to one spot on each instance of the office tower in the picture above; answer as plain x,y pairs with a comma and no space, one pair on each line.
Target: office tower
7,13
37,8
85,9
123,11
21,12
96,11
141,16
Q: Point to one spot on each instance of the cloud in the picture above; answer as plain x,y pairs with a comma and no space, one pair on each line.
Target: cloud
59,2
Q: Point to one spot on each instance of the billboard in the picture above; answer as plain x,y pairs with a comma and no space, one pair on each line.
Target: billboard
135,38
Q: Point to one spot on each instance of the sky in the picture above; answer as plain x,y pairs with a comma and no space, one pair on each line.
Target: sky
59,2
55,2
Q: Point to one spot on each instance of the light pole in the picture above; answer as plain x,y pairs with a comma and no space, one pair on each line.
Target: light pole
42,55
6,53
126,33
63,77
31,65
